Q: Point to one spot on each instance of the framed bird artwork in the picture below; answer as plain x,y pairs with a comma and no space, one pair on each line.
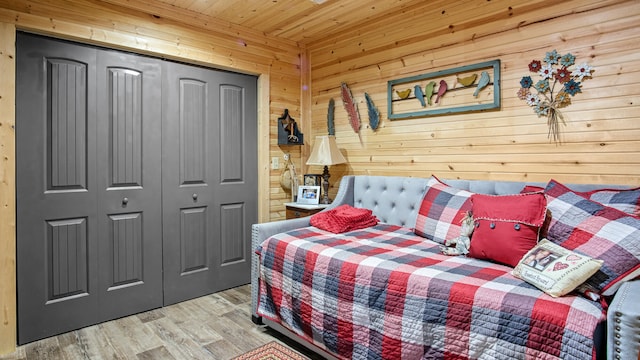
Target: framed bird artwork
467,88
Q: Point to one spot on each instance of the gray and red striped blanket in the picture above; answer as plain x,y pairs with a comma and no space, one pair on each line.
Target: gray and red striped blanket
384,293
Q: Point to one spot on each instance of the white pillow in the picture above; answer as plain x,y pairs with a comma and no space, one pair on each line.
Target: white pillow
554,269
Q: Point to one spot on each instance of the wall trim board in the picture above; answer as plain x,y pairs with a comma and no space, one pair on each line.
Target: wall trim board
8,317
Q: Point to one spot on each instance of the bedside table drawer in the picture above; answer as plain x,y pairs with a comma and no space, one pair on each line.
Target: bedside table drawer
294,210
293,213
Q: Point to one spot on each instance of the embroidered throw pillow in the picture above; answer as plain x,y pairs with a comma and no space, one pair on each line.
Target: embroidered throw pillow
554,269
441,212
506,226
601,232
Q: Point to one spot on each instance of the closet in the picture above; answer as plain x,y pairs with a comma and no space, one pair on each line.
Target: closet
136,183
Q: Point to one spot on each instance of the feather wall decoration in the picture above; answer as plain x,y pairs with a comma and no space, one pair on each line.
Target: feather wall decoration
374,114
351,108
331,127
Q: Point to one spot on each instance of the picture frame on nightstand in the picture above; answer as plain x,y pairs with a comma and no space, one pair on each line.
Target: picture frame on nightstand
308,195
312,180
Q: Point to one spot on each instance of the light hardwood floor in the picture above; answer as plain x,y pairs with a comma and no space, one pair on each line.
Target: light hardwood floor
216,326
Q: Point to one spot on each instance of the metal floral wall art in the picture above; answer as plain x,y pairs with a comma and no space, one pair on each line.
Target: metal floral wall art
547,100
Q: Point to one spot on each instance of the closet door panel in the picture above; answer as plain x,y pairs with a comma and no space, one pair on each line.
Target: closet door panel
236,190
129,179
190,167
57,257
209,179
89,235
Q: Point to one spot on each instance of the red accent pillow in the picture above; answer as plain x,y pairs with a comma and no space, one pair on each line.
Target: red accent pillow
531,188
506,226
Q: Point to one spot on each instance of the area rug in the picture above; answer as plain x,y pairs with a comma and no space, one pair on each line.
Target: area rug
271,351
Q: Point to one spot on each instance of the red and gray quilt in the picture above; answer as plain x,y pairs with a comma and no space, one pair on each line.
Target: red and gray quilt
385,293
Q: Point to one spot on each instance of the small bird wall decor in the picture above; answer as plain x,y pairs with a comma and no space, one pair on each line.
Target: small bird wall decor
428,91
482,83
467,80
419,95
442,88
462,89
403,94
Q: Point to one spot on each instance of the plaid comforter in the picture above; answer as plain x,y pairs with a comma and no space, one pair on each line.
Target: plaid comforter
385,293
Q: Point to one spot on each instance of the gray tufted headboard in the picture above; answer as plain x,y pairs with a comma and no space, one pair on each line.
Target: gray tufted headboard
393,200
396,199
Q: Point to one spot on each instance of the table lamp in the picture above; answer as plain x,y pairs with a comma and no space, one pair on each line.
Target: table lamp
325,152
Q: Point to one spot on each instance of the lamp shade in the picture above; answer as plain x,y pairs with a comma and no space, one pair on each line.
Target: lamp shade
325,152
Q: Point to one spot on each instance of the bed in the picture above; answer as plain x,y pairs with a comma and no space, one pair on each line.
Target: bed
383,292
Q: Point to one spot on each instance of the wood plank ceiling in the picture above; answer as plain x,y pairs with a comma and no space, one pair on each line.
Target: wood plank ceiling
302,21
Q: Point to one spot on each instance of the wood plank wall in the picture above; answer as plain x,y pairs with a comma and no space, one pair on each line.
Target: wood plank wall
601,139
174,35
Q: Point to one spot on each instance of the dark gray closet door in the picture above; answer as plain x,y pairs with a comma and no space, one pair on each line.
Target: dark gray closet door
57,222
125,174
83,254
129,180
209,179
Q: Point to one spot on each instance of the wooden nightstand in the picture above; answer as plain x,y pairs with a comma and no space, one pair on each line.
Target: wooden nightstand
295,210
